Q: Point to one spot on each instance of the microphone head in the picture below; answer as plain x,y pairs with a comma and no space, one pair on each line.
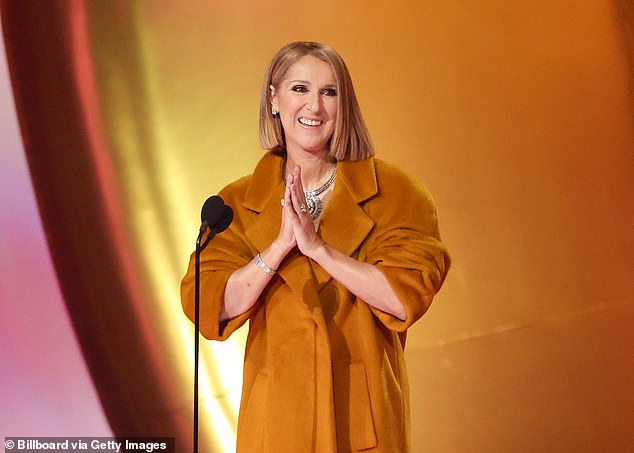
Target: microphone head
213,210
224,221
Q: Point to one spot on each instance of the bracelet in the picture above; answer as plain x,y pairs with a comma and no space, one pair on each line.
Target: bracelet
264,267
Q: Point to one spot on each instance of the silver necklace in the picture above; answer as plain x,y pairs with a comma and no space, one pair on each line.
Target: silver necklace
313,201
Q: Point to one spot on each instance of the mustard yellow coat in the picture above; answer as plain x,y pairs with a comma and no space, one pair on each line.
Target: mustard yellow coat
324,372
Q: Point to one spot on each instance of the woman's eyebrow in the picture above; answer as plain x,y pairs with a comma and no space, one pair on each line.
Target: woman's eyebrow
308,83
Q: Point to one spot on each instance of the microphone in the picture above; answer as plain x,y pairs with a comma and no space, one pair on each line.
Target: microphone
212,211
225,220
215,215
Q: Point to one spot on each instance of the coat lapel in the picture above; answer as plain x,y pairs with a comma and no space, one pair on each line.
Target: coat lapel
345,225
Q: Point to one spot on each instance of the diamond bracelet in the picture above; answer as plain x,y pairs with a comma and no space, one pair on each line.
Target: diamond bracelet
264,267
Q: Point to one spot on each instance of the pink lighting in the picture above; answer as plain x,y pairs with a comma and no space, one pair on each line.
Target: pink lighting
45,387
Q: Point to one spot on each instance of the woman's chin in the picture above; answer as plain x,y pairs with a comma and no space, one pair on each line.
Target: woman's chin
310,147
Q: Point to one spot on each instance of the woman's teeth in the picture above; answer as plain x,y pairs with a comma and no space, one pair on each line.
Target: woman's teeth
308,122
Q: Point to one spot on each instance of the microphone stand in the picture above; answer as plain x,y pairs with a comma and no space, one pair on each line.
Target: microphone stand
199,248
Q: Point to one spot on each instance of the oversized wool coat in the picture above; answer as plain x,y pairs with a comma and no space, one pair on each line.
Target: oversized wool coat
324,372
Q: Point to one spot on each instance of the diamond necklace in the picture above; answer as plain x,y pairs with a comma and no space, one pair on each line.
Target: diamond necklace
313,201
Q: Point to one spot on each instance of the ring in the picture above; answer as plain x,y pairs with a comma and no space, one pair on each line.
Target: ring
303,209
282,202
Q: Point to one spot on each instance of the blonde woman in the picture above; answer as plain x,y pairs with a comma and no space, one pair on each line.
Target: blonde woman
332,255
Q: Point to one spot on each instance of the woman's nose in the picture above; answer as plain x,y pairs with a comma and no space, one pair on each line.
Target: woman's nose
312,103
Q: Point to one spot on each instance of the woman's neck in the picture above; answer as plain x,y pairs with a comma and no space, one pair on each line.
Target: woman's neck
316,168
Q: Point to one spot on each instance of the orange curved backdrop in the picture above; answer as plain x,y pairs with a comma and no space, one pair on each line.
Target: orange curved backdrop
517,116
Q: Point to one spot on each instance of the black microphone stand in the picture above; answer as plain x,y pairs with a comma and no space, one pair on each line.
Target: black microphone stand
216,217
199,248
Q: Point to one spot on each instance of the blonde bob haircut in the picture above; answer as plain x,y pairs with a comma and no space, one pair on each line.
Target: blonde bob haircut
351,139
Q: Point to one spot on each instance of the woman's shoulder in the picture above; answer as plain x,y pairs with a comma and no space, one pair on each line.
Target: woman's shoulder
254,187
393,181
401,200
236,189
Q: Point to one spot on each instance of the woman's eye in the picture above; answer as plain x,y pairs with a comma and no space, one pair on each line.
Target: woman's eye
299,89
330,92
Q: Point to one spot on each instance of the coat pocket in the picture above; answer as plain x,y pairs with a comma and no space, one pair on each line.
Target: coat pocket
362,430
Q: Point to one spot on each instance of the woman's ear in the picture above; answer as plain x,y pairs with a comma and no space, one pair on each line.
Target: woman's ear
273,97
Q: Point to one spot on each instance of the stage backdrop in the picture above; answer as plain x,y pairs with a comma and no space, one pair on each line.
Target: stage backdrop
517,116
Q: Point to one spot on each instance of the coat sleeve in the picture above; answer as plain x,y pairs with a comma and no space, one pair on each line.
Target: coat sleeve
227,252
407,248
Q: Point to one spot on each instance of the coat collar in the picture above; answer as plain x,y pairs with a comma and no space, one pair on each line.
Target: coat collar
359,178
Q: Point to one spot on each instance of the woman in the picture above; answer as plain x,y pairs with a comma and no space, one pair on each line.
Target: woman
330,278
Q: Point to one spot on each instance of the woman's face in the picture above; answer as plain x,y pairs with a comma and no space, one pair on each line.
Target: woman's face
306,100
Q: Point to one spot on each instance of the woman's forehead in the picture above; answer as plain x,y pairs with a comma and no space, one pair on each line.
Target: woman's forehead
310,69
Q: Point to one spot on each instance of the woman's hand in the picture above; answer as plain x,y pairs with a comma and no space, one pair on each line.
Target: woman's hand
286,237
302,222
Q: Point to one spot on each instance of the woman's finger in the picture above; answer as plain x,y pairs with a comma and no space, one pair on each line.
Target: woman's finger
297,178
297,190
287,197
298,199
